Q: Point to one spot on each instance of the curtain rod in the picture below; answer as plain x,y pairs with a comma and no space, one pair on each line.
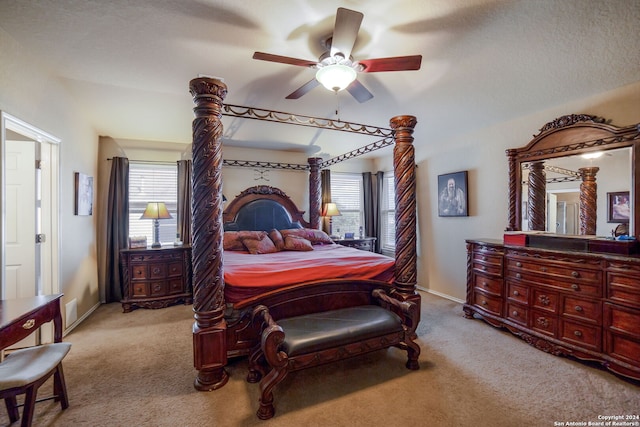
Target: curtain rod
148,161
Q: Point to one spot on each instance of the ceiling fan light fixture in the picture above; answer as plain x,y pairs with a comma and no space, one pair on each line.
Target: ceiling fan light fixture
336,77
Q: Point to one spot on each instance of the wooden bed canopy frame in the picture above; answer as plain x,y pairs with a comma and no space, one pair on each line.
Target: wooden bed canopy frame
210,335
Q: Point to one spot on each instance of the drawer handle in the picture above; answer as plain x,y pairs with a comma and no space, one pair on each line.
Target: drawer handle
485,284
29,324
578,308
516,293
518,264
575,287
156,270
577,333
484,268
575,274
542,322
544,300
484,258
515,313
543,269
484,302
518,276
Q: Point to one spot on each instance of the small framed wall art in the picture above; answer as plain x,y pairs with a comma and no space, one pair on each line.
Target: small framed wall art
84,194
452,194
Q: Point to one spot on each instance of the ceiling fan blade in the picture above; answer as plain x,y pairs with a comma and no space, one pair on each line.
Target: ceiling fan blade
359,92
397,63
345,31
284,59
303,89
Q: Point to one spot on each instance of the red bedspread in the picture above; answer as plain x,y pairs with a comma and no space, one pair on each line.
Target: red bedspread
246,275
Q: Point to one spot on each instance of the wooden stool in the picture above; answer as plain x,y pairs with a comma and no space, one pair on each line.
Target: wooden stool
24,371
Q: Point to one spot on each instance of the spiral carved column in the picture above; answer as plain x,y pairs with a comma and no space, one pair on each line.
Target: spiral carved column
537,196
512,213
588,200
405,199
209,330
315,192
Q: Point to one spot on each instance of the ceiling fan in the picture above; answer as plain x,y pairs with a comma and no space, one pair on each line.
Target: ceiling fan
336,69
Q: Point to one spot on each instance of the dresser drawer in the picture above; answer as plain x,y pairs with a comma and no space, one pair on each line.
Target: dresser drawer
544,299
586,336
518,293
623,348
157,271
573,286
559,271
488,284
176,286
517,313
139,289
622,320
139,271
488,303
544,322
581,309
624,289
480,267
175,269
158,288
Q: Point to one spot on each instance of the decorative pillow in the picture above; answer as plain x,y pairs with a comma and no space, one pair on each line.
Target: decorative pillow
297,243
316,237
263,245
232,240
277,239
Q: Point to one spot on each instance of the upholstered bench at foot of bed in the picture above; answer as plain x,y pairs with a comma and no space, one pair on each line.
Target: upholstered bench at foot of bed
314,339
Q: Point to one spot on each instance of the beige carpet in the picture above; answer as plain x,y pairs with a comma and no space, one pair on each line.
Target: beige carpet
137,369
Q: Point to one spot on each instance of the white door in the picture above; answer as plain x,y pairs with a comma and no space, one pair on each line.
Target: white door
20,190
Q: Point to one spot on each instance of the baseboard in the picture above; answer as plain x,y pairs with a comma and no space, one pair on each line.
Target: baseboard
440,294
80,320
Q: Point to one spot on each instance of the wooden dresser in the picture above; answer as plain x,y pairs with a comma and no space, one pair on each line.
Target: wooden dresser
580,304
364,244
156,278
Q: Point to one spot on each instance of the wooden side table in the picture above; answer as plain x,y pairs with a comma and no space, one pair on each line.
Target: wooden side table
365,244
156,278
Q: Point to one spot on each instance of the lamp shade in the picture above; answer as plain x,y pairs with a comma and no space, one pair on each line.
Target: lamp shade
336,77
156,210
330,209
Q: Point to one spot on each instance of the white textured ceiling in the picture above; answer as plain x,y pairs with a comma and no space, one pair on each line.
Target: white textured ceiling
128,63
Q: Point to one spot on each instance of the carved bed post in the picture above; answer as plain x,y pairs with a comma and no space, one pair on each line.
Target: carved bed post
209,330
537,196
405,188
315,192
514,205
588,200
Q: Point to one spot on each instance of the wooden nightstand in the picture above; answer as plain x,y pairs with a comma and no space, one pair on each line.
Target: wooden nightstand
365,244
156,278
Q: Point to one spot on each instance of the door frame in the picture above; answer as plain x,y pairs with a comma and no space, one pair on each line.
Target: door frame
11,123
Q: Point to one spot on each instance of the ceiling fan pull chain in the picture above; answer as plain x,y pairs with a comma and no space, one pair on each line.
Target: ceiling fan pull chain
337,106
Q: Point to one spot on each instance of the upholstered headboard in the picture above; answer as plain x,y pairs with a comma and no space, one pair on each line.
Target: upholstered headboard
262,208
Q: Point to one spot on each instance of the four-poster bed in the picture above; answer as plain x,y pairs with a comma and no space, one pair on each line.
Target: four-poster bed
223,329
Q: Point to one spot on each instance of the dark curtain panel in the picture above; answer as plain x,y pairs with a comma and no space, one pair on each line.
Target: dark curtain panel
377,207
184,200
325,183
369,202
117,226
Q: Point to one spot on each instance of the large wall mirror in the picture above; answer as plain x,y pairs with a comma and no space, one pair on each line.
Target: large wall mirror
563,180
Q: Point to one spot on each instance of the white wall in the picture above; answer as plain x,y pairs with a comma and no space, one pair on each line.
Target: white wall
30,94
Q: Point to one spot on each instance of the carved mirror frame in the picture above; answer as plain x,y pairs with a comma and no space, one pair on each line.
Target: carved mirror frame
566,136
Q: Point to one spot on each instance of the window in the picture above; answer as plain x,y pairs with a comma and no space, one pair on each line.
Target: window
346,193
388,215
152,182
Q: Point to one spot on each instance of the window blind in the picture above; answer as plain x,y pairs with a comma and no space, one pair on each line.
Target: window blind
152,182
347,194
388,214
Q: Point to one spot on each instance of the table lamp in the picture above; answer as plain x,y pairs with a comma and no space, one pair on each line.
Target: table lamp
330,210
156,211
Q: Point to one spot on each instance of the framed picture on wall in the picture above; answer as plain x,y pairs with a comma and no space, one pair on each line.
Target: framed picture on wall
453,197
84,194
618,207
